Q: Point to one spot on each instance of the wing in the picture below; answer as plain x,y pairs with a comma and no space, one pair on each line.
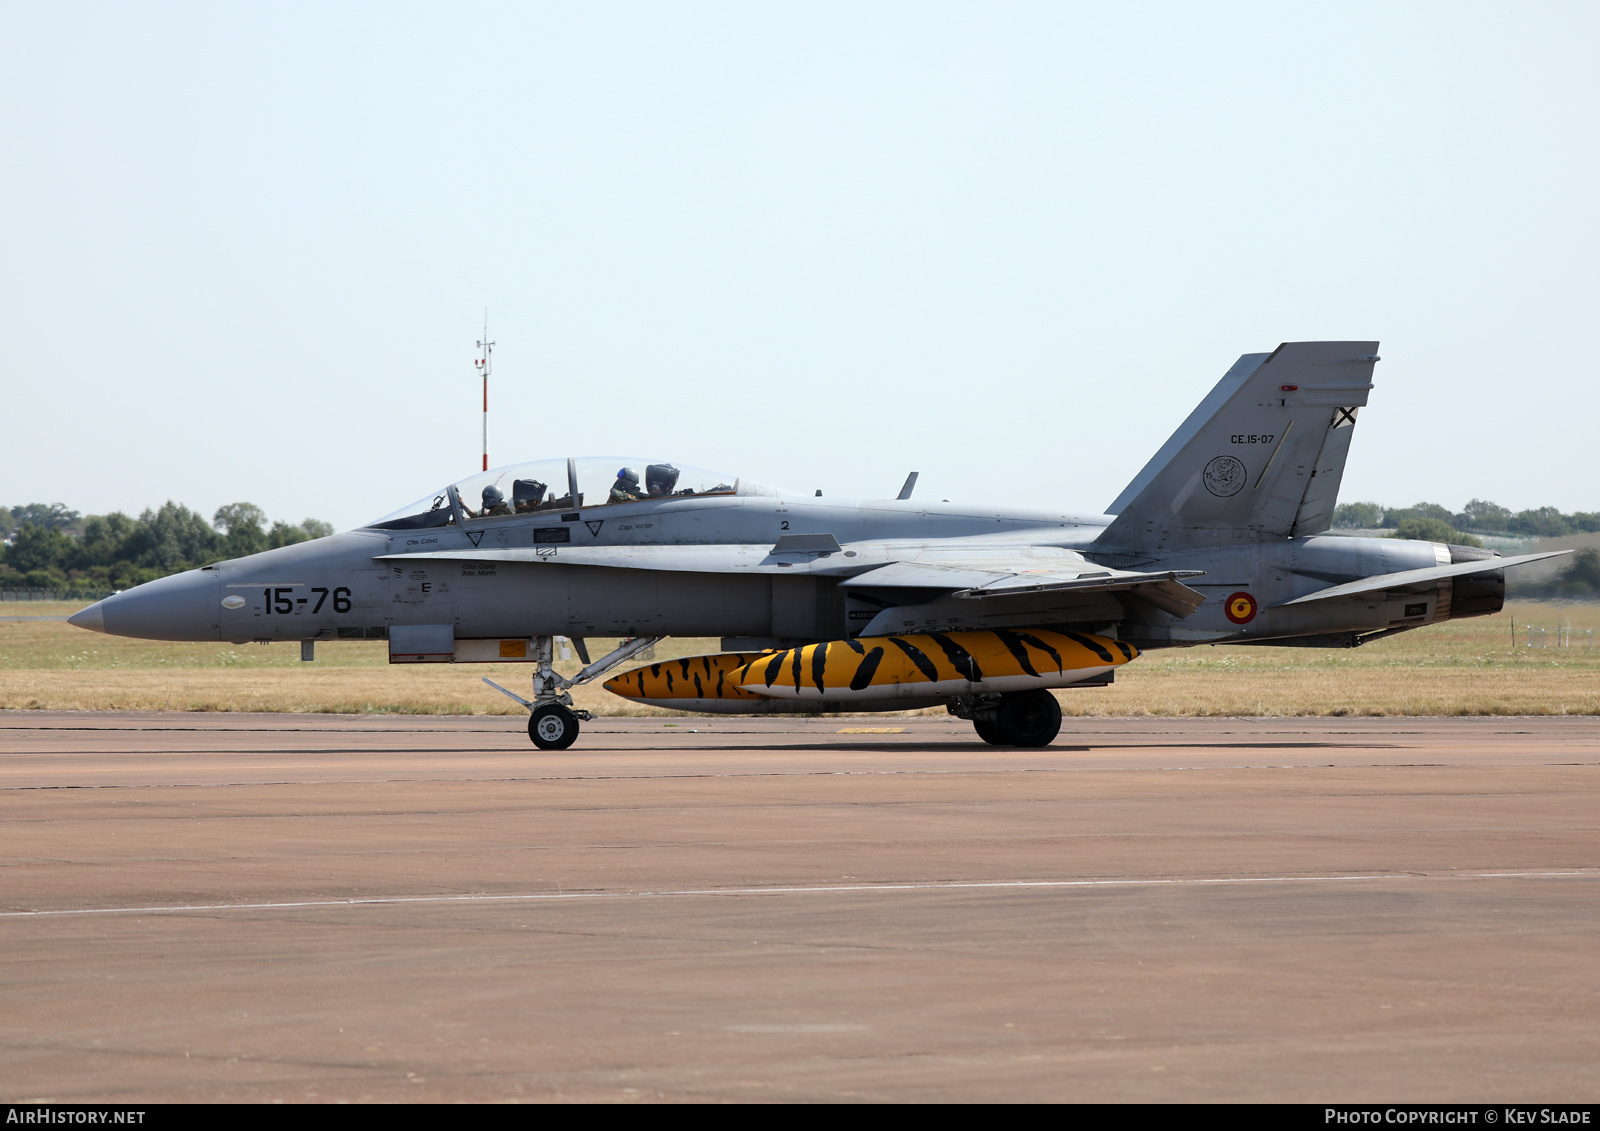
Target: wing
890,585
1000,582
691,559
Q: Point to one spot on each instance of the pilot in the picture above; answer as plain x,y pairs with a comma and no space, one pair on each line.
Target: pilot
527,494
660,479
626,488
494,502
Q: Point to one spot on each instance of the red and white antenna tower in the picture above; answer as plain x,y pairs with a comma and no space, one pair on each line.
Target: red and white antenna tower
484,364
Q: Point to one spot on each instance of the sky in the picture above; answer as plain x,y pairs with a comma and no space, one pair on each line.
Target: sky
246,250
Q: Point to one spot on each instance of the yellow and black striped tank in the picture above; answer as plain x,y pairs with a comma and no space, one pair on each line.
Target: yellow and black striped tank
954,663
875,669
686,683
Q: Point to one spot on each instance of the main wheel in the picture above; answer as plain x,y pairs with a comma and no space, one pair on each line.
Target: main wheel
1028,718
989,732
553,727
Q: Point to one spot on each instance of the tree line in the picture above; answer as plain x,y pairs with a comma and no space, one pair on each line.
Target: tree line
1578,580
48,546
1477,517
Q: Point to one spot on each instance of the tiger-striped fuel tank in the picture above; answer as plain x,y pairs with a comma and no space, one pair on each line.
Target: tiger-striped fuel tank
693,677
692,683
916,666
701,684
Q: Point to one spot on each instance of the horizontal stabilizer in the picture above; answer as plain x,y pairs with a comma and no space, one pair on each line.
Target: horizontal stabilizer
1410,577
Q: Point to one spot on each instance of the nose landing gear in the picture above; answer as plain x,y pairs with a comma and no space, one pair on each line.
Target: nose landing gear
554,722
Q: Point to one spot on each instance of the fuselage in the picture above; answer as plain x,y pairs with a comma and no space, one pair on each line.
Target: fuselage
713,567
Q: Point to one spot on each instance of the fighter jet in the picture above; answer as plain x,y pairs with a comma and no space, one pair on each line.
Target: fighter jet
861,605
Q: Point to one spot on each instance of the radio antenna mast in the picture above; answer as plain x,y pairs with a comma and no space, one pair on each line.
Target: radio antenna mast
484,364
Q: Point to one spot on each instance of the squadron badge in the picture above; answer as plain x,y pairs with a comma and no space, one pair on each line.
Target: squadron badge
1224,476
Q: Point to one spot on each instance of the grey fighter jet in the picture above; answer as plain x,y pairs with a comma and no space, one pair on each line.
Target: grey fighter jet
829,604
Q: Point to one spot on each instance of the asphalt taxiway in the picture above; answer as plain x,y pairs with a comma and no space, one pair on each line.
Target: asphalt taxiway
253,907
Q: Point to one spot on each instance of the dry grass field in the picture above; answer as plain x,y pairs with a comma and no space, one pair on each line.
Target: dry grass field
1460,668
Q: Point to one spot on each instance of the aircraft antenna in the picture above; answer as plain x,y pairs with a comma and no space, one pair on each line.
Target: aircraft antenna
484,364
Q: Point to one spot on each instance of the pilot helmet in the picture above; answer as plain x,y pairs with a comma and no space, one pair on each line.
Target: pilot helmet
660,478
628,475
492,497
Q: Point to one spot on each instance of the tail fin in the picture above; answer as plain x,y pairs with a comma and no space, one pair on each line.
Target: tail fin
1260,459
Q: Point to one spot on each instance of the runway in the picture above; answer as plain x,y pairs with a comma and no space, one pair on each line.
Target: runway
276,907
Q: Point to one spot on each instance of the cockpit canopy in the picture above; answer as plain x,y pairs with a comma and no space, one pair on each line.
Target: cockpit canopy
559,485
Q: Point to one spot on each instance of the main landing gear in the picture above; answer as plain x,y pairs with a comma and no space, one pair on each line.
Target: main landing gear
553,724
1019,718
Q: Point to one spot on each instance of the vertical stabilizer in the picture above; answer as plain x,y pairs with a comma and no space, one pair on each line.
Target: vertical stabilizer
1259,460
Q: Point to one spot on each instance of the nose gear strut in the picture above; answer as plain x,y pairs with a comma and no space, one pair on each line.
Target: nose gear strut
553,722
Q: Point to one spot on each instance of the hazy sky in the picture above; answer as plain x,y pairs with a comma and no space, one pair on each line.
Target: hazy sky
245,251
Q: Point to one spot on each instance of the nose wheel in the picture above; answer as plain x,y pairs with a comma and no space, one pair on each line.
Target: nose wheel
553,727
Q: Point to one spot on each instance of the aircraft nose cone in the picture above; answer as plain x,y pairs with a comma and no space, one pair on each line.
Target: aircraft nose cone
185,606
93,618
